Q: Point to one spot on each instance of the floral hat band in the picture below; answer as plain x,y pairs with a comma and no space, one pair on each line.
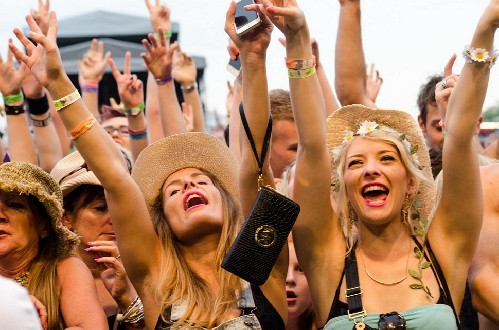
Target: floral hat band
369,127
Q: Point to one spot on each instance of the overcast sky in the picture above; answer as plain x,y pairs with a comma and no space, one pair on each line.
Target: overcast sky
408,40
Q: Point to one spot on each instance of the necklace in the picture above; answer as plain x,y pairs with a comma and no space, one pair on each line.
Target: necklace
387,283
22,279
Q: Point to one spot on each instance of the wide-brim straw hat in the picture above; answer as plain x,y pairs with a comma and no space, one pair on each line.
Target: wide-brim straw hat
29,179
347,119
170,154
71,172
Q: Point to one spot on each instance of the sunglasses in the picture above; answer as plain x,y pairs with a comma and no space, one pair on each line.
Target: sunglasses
391,321
122,130
84,166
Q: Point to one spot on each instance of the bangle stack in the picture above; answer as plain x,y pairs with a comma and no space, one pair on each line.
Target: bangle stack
301,68
133,314
479,55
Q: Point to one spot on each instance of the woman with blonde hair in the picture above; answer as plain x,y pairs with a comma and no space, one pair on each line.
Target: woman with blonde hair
178,215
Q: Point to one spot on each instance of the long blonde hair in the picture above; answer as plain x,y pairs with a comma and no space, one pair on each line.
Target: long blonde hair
177,282
346,214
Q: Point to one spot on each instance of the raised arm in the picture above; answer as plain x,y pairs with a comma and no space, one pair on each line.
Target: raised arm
350,71
458,218
131,91
137,240
21,144
316,234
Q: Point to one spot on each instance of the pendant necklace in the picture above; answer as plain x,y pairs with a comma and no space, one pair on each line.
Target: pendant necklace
387,283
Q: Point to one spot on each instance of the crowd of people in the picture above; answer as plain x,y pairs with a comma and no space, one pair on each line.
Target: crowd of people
118,216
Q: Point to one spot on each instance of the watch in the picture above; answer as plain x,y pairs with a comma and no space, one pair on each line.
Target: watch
190,88
135,110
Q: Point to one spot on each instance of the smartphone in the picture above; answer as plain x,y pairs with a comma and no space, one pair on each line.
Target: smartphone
234,66
245,20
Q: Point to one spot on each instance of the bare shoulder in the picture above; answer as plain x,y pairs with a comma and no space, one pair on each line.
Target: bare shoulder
72,267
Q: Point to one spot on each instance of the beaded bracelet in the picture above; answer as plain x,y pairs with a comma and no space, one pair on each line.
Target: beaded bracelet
14,110
38,106
82,127
480,55
41,122
13,98
67,100
163,81
303,73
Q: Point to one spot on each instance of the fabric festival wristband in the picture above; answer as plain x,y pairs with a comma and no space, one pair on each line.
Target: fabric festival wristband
300,64
67,100
13,98
14,110
135,110
38,106
298,74
165,80
90,89
82,127
167,34
41,123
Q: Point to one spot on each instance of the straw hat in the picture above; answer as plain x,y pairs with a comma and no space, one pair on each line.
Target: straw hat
170,154
28,179
347,119
71,172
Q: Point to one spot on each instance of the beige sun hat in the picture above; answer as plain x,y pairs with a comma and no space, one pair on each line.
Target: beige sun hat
348,119
72,172
28,179
170,154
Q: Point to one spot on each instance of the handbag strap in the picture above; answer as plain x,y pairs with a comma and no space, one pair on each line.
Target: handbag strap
266,142
354,291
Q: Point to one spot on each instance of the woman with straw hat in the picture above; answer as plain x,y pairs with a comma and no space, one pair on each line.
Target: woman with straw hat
86,214
372,264
36,249
175,223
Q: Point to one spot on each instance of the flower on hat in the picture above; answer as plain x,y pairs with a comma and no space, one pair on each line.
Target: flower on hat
367,127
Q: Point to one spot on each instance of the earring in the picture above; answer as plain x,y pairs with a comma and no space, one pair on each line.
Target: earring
352,216
405,209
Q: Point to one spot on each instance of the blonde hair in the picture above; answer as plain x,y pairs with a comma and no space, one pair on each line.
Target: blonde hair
410,210
177,282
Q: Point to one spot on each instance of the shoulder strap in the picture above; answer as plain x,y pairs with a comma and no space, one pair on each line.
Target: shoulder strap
439,275
266,141
353,291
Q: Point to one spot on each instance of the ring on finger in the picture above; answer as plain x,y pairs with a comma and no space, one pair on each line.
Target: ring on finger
119,256
444,84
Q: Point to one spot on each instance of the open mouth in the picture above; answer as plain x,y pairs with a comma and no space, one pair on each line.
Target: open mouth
375,194
290,295
194,200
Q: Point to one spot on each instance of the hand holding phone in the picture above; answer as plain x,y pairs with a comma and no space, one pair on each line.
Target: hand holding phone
234,66
245,20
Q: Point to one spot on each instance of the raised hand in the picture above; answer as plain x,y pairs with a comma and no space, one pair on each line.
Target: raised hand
373,82
159,56
94,63
130,88
41,15
284,14
160,16
11,79
184,69
44,59
443,89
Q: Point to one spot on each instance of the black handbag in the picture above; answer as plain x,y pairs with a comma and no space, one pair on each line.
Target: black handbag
264,233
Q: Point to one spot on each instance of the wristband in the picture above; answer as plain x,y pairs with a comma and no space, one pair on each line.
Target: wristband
190,88
135,110
67,100
13,98
300,64
165,80
167,34
303,73
138,135
14,110
38,106
82,127
42,122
